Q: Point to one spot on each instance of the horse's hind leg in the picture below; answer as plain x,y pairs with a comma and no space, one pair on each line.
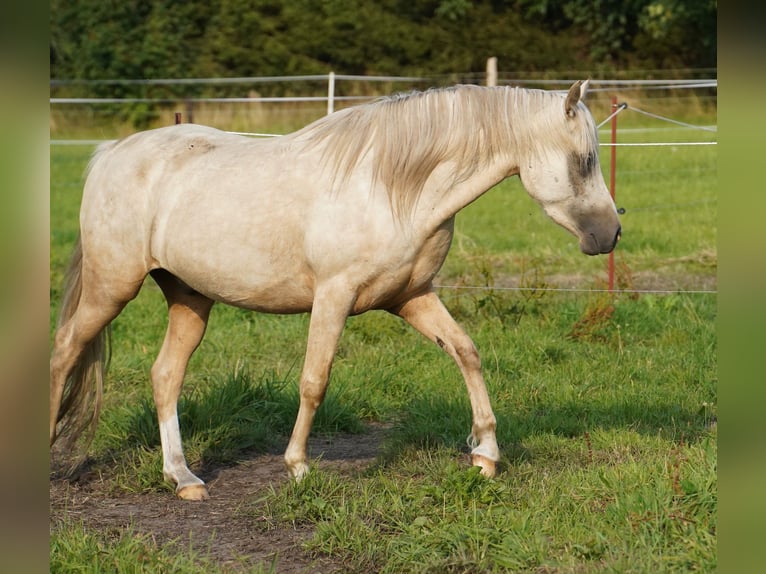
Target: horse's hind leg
78,341
427,314
188,312
91,300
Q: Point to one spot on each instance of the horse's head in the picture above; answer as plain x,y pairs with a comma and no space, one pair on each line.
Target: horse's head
561,172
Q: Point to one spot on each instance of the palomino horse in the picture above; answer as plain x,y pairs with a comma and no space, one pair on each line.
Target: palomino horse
351,213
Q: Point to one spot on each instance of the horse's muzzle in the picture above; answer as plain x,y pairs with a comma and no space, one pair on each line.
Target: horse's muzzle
599,243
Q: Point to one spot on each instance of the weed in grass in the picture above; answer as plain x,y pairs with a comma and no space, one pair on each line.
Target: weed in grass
623,276
596,318
506,307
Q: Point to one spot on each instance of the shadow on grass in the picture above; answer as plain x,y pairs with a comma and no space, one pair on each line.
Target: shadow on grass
430,422
218,423
222,423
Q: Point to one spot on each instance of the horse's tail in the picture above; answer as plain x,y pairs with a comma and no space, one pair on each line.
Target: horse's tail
80,405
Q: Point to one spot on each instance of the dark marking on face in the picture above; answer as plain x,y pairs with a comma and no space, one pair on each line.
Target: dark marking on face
581,166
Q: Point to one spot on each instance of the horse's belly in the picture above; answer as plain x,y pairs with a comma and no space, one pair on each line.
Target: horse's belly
236,253
265,294
276,298
251,279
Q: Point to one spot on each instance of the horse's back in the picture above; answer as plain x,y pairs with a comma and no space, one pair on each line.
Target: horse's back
132,175
210,207
138,152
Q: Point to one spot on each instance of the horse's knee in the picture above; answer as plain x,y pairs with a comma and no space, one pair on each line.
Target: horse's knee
312,397
313,391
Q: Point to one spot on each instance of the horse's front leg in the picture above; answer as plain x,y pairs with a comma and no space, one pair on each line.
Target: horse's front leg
188,313
331,307
427,314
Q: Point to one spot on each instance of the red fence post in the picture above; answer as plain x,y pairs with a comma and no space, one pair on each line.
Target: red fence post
612,170
178,117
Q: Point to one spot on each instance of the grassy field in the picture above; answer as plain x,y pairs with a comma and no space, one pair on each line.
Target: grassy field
606,404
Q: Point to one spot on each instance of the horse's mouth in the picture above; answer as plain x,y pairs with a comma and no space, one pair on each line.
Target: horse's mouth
590,244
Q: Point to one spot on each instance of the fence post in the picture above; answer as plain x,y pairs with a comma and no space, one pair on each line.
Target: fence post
492,72
612,180
330,93
178,117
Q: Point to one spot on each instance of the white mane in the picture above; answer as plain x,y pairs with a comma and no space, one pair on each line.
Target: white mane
408,135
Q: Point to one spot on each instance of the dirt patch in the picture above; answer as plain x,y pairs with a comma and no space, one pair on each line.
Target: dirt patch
218,527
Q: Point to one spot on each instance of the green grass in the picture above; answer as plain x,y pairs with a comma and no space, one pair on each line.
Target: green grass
615,503
75,548
606,405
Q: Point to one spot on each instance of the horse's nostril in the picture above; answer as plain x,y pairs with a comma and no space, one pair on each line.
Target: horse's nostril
618,235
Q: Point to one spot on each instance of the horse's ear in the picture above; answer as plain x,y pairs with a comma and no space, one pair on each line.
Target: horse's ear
576,93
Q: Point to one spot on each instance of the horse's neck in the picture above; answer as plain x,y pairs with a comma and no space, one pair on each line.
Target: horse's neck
479,173
438,204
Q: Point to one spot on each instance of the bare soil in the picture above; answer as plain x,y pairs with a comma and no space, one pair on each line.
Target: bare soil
220,528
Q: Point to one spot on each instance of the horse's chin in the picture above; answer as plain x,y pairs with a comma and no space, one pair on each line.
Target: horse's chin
589,246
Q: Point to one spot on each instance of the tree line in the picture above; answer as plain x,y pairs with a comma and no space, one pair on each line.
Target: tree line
110,39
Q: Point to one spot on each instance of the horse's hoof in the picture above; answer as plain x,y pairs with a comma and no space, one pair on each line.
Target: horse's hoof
487,465
296,467
298,471
193,492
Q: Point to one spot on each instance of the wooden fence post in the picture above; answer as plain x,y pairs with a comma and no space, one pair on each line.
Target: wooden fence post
492,71
330,93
